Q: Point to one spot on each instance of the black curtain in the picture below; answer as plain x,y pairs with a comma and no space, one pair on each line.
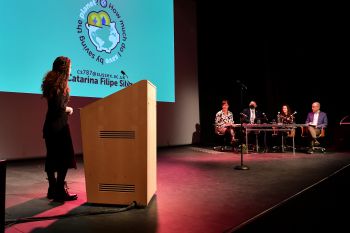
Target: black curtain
293,56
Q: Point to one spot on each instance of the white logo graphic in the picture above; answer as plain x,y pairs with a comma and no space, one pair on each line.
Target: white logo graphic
102,32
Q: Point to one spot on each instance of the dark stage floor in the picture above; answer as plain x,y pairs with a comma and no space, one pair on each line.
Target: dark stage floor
198,191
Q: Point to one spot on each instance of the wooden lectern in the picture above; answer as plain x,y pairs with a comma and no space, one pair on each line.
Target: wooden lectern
119,146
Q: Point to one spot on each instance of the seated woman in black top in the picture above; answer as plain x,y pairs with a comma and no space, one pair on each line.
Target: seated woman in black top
286,116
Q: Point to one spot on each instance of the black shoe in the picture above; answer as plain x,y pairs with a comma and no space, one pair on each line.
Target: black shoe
65,197
51,189
51,193
310,151
219,148
62,194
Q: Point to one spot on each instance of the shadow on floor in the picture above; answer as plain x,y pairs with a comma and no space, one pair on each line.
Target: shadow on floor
322,208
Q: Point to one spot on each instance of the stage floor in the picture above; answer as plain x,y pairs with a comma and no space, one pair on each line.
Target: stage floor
198,190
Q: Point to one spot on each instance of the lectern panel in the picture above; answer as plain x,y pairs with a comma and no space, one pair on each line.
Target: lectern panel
119,146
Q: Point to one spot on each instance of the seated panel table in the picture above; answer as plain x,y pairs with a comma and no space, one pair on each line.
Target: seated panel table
271,127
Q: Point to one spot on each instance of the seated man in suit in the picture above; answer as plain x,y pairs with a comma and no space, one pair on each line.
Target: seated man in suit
316,120
252,115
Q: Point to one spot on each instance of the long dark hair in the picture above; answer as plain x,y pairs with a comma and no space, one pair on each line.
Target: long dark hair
56,80
289,111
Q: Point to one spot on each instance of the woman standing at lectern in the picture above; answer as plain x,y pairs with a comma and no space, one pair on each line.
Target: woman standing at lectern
59,146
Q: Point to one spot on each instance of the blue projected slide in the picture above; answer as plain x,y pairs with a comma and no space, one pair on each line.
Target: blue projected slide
112,44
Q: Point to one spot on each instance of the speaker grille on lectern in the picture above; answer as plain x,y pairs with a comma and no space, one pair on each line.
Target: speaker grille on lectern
117,187
117,134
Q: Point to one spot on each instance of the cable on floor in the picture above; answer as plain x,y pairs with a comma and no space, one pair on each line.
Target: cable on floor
12,222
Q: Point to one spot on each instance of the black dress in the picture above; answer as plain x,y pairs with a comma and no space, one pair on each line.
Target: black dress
59,146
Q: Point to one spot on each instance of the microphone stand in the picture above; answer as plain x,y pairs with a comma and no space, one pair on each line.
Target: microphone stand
242,166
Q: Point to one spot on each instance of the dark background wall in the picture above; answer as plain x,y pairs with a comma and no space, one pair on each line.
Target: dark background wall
282,53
